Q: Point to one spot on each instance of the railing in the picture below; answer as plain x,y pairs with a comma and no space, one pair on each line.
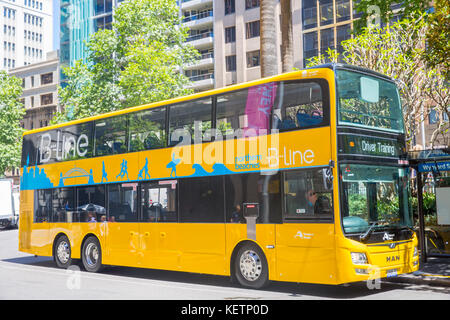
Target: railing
202,77
200,36
198,16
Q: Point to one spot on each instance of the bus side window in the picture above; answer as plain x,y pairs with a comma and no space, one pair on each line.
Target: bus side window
122,202
189,120
306,195
246,112
111,135
158,201
299,105
43,205
147,129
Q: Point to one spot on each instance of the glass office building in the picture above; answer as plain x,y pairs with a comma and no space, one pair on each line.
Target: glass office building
80,19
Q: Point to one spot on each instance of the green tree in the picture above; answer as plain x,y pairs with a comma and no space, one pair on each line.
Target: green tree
438,38
138,61
380,11
397,51
11,112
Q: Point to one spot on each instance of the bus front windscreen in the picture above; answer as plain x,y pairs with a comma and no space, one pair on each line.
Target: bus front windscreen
374,195
367,101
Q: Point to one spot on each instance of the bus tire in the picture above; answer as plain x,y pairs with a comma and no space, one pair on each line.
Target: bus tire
91,254
250,266
62,252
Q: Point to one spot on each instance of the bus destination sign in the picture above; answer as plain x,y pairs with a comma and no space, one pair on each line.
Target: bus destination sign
369,146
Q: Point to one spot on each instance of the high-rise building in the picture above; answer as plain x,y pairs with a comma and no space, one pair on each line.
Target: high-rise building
79,19
25,32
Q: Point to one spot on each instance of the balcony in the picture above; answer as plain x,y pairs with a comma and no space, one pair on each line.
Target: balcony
199,20
202,82
193,4
202,40
206,61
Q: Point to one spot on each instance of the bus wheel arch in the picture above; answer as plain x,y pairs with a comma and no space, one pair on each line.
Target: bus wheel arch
248,265
62,251
91,253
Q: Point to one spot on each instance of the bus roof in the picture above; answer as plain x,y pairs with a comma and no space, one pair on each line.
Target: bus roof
214,91
333,66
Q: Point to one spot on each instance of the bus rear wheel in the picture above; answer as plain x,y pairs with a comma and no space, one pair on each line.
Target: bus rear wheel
91,255
62,252
250,267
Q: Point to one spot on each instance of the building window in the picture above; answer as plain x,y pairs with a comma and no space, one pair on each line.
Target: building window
250,4
47,78
342,10
310,46
230,63
230,34
309,12
103,23
342,33
229,7
252,29
326,12
46,99
326,40
253,59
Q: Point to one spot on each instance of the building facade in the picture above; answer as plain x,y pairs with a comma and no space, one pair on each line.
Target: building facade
40,90
40,82
25,35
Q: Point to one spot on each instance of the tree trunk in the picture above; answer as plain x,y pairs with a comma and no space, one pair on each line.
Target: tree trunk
287,55
268,39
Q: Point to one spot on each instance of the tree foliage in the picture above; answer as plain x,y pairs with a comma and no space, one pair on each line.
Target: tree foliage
11,112
138,61
438,38
397,51
382,11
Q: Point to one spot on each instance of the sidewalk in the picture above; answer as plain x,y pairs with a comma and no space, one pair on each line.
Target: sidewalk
435,272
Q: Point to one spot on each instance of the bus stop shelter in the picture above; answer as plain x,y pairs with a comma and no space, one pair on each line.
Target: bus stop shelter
434,240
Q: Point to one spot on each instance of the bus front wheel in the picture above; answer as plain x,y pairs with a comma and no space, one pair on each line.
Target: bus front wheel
91,255
250,266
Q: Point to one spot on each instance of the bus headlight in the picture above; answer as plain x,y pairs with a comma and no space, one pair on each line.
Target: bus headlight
359,258
416,252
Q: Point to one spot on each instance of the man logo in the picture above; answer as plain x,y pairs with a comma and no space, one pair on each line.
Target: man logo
388,237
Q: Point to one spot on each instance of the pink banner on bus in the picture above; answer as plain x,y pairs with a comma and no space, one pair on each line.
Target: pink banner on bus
260,100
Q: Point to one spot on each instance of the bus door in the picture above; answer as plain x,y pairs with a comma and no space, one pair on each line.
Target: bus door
122,237
40,239
158,225
306,239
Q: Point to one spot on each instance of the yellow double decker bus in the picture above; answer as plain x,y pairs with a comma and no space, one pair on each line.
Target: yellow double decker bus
298,177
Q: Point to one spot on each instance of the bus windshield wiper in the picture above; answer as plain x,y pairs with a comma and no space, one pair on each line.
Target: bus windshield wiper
369,231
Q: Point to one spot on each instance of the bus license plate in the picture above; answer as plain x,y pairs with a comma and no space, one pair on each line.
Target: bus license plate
391,273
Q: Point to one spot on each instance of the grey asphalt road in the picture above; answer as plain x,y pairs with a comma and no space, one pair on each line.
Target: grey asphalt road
23,276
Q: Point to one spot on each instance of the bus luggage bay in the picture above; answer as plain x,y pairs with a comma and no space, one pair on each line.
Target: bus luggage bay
298,177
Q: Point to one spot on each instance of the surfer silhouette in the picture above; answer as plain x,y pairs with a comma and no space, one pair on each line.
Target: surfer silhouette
173,165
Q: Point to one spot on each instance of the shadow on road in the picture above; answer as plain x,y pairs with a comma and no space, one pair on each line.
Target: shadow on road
292,290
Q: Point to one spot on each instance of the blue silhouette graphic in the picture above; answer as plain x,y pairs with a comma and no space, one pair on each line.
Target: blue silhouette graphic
173,165
91,177
34,178
143,173
199,171
76,172
104,174
123,170
220,168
